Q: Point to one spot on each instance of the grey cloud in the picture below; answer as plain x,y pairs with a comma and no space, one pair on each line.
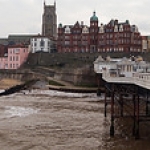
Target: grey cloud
25,16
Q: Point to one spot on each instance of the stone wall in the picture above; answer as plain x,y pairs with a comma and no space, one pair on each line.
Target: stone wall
80,76
21,75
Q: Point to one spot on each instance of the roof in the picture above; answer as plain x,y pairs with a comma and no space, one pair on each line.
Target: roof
3,50
94,17
23,36
18,46
60,25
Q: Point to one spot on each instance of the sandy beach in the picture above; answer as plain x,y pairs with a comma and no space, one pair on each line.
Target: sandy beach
7,83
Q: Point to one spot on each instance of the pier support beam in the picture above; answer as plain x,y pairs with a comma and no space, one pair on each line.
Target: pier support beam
147,103
121,104
98,83
137,119
112,131
98,92
133,98
105,105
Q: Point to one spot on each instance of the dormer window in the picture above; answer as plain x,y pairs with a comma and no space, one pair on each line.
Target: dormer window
121,28
101,29
67,29
116,28
85,30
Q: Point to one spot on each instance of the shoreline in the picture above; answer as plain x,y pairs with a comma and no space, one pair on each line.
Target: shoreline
7,83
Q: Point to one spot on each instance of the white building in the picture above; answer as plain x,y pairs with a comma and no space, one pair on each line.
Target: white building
121,67
41,44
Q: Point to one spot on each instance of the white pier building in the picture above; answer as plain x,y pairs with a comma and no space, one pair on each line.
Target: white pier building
132,70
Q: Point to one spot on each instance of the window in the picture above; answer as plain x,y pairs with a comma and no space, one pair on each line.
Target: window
75,37
10,65
6,66
17,65
74,42
17,50
67,42
84,42
66,37
42,43
17,58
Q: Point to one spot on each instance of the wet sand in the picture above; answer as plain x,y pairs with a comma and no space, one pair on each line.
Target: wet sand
60,121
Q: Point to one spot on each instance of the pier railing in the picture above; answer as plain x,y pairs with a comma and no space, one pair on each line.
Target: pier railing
140,79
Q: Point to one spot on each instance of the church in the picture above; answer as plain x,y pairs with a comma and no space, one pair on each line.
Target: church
49,21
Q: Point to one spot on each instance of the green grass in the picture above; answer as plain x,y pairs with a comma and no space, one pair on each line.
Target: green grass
51,82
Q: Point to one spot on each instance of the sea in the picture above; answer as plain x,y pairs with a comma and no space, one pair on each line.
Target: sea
54,120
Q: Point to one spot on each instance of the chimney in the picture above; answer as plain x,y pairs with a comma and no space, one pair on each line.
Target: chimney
82,23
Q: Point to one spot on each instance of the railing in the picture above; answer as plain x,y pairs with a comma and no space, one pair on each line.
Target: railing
140,79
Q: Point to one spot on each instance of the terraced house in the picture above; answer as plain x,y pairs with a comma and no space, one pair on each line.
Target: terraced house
12,57
112,37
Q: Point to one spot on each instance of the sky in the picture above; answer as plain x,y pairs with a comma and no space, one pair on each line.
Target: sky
25,16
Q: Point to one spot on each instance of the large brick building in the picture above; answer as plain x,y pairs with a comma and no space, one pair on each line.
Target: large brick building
112,37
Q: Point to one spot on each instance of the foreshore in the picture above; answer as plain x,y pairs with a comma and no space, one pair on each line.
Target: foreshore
8,83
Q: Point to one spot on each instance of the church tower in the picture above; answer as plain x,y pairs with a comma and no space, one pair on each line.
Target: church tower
49,21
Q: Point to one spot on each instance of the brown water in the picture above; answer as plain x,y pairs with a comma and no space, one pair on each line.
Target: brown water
57,122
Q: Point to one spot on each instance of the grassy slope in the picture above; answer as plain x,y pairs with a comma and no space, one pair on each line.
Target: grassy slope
72,60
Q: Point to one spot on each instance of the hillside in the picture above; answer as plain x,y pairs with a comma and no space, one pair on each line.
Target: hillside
72,60
76,68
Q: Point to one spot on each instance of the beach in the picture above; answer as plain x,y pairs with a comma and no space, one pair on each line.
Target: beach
53,120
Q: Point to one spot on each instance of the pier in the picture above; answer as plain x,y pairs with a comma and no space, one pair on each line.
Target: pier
127,90
128,99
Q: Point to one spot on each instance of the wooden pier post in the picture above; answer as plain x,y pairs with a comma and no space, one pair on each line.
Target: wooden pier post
112,112
121,104
98,83
105,105
133,98
147,103
137,118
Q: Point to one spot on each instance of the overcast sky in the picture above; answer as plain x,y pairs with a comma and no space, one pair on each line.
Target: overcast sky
25,16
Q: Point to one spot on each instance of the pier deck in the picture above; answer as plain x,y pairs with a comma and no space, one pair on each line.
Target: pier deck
128,97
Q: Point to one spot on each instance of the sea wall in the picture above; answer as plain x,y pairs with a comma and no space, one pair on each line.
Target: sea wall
21,75
79,76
